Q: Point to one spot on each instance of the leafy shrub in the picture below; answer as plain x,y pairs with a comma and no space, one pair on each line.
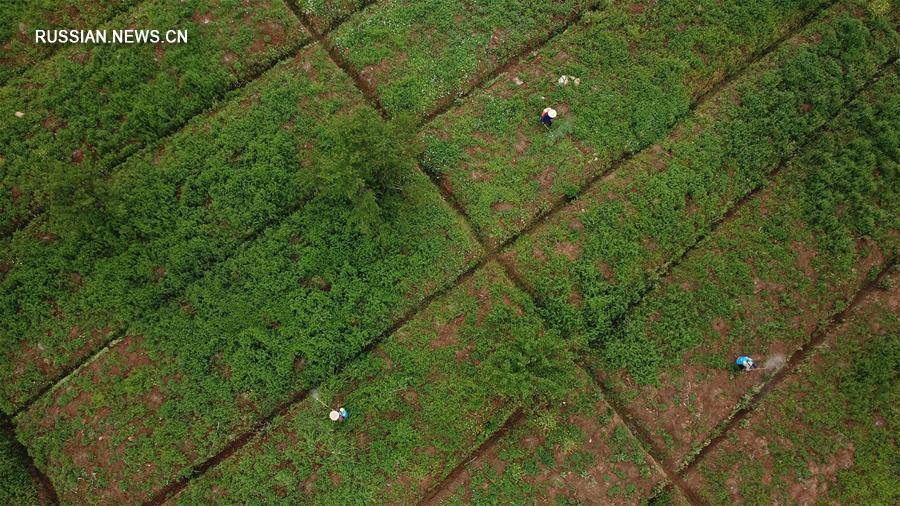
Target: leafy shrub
361,160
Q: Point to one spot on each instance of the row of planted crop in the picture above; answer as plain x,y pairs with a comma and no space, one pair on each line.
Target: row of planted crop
20,20
765,281
619,81
596,257
746,288
268,322
113,248
828,433
70,119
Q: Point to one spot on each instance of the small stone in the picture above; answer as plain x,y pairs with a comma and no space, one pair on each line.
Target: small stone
518,81
20,114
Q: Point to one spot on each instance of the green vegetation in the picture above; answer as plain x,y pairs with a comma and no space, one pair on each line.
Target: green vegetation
16,484
829,432
277,317
169,215
574,452
506,169
418,53
207,240
600,254
761,283
20,18
361,160
413,415
88,108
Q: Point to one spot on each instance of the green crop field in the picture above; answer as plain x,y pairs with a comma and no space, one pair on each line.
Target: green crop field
208,246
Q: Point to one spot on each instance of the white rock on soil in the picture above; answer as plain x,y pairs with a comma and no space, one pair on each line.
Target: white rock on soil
20,114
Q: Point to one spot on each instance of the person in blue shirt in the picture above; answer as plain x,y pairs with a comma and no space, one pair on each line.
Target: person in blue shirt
746,363
338,415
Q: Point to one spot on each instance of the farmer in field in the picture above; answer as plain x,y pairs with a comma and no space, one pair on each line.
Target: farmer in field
547,116
338,415
746,363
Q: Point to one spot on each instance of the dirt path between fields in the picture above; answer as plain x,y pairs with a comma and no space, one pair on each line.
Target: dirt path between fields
818,337
493,253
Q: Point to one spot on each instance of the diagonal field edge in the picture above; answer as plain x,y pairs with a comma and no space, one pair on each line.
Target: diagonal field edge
674,475
492,254
116,336
56,47
511,423
701,99
338,59
46,491
264,422
747,404
261,69
613,398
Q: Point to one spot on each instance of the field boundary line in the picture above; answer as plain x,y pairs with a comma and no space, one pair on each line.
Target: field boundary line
55,48
480,80
614,399
752,399
259,70
120,333
560,203
337,58
674,475
264,422
516,418
46,491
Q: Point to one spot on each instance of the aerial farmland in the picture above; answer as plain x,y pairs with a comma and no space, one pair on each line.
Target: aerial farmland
449,252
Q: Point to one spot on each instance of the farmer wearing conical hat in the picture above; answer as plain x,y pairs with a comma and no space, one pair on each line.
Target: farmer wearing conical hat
547,116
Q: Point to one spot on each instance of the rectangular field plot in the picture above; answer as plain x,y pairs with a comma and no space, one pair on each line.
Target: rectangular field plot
20,18
416,54
168,214
828,433
276,318
763,283
629,73
598,255
89,107
418,404
575,452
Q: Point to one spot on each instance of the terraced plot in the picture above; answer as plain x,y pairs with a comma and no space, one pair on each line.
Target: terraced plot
413,415
539,316
761,284
276,318
506,169
577,451
828,432
589,262
169,215
73,118
418,55
20,18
